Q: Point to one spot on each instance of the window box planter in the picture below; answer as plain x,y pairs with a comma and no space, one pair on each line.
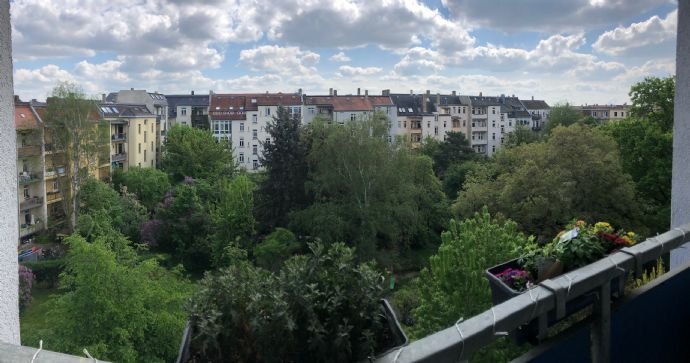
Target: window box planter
501,292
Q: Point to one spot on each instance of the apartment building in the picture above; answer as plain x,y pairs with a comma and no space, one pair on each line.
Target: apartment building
539,110
32,208
188,110
133,135
605,113
344,108
155,103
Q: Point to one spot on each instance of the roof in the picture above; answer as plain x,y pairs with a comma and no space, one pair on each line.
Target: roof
278,99
228,106
24,117
342,103
123,110
483,101
411,105
185,100
535,104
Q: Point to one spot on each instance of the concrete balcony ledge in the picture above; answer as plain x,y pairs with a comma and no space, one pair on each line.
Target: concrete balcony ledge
16,353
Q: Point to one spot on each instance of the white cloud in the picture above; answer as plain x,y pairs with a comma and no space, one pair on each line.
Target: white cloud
277,59
547,15
340,57
418,61
349,71
639,38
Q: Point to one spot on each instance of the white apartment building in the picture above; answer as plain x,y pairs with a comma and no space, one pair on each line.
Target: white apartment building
539,110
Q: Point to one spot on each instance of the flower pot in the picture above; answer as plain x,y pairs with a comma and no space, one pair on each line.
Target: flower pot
500,292
549,269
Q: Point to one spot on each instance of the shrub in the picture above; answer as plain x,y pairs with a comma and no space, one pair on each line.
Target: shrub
26,279
276,248
46,272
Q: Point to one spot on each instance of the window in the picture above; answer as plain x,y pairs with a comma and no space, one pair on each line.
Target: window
145,121
428,124
311,110
253,119
56,186
510,123
502,139
144,136
139,148
242,126
390,139
255,164
241,141
435,117
353,117
268,140
144,155
623,114
268,111
405,124
139,129
255,150
436,130
241,157
502,129
493,148
390,124
151,145
463,123
183,111
399,124
254,134
444,124
493,136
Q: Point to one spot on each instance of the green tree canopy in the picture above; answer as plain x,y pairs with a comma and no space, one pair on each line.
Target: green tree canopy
522,135
148,184
652,99
191,152
577,173
562,115
455,149
124,211
285,159
233,221
121,312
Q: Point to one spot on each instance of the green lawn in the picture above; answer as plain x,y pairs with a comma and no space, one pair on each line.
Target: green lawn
33,320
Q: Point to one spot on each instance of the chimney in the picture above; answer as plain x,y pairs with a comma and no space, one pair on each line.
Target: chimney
210,92
386,92
103,97
438,99
192,92
335,92
411,92
16,99
330,91
425,97
532,98
366,93
131,89
453,93
299,91
480,94
357,91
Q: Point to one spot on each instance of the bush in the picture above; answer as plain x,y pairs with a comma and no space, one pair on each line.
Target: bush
26,279
46,272
321,306
276,248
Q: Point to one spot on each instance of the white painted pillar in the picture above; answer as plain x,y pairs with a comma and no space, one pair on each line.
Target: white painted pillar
680,189
9,223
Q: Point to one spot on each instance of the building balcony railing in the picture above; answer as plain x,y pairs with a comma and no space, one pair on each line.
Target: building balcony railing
31,202
52,197
460,341
28,178
51,148
27,229
119,157
119,137
17,353
54,172
28,150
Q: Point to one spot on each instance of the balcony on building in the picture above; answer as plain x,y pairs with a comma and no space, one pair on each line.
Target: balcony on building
119,137
27,229
52,173
119,157
30,203
26,151
54,196
26,177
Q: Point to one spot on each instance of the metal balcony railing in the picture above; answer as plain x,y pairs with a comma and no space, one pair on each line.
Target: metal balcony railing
119,137
53,196
28,178
461,340
120,157
18,353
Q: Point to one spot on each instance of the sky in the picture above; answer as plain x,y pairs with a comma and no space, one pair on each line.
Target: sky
577,51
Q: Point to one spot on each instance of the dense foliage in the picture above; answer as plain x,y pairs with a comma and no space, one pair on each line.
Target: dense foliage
26,280
147,184
576,172
320,305
116,307
191,152
562,115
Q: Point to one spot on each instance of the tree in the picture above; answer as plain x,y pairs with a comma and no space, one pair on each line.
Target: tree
562,115
521,135
233,221
367,192
453,150
646,151
124,211
455,176
285,159
453,286
78,134
652,99
119,311
576,173
195,153
148,184
320,306
276,248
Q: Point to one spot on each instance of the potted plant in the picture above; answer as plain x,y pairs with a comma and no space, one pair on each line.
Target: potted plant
578,245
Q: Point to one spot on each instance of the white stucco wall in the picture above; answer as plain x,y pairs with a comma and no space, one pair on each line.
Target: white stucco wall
680,193
9,227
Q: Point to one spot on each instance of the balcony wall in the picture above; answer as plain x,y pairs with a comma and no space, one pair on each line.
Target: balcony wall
649,325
